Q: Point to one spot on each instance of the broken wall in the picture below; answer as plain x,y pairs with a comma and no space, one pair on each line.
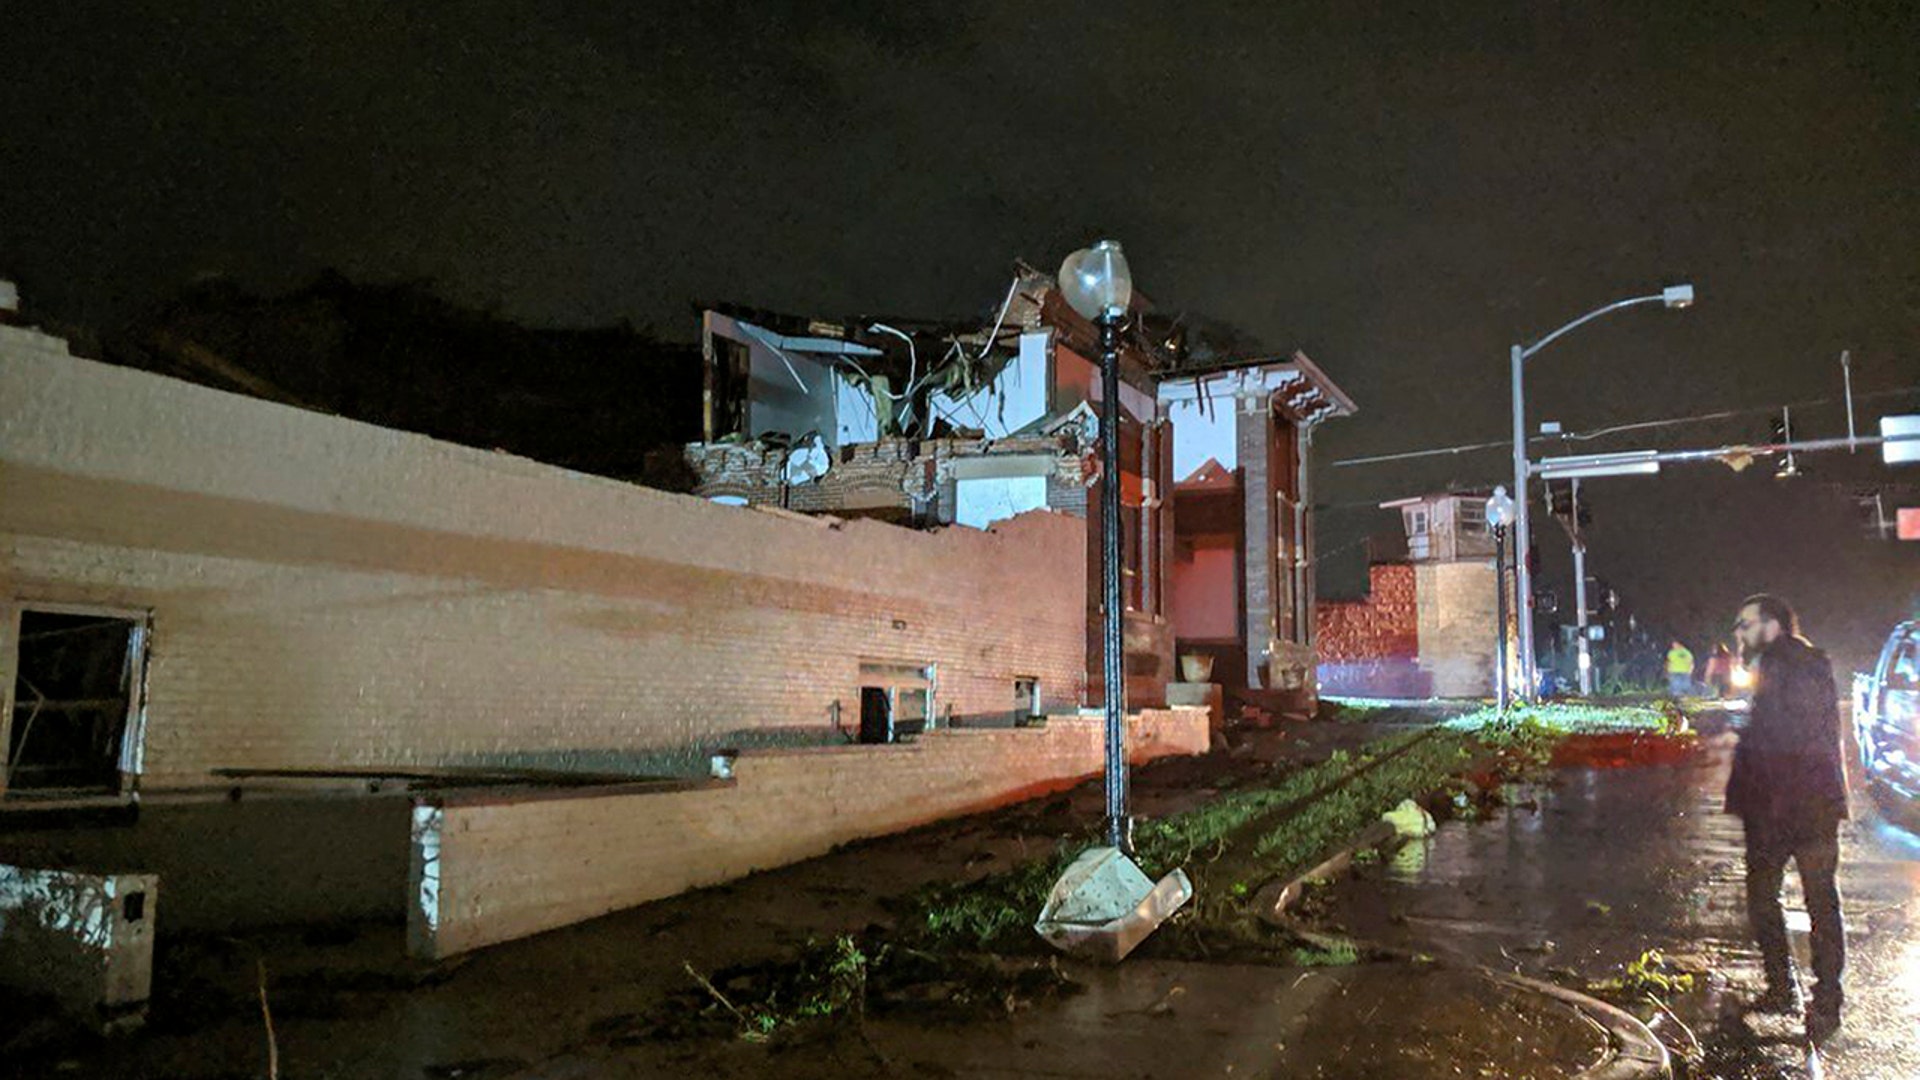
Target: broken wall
1371,646
328,593
893,478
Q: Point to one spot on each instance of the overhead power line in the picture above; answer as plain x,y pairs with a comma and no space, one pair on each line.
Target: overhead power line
1615,429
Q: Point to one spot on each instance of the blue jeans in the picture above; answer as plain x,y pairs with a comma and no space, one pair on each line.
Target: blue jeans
1678,684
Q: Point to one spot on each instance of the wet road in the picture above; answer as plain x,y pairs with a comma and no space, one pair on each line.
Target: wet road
1578,879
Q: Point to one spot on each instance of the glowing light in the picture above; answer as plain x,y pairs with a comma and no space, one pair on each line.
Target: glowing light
1742,677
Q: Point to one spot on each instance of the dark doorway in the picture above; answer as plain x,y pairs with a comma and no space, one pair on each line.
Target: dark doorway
76,684
876,715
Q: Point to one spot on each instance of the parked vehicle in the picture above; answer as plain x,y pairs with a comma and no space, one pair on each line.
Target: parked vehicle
1886,716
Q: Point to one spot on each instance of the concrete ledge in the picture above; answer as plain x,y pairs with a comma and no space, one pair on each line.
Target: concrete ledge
488,867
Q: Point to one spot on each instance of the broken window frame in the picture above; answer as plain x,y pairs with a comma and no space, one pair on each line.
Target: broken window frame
1026,699
131,759
899,678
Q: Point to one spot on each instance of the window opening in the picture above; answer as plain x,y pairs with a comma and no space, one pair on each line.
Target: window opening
1026,700
74,723
1473,517
896,700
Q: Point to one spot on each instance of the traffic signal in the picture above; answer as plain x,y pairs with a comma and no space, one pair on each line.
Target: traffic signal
1560,498
1602,600
1783,434
1561,503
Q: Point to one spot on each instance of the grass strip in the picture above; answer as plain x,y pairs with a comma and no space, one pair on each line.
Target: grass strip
997,912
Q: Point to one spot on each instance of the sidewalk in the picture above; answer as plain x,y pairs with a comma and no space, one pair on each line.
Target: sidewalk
601,998
1161,1018
1578,880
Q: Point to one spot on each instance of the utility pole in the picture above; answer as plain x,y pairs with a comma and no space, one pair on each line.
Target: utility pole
1673,296
1522,534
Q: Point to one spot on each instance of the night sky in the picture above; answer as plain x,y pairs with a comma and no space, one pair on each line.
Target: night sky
1402,194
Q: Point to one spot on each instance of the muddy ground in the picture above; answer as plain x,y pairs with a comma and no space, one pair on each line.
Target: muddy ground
345,1003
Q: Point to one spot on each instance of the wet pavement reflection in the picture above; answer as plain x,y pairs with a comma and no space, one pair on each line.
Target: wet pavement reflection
1572,881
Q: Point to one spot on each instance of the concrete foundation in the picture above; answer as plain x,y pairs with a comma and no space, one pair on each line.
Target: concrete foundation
84,939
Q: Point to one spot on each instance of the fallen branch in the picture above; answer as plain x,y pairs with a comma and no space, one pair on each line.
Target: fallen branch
1693,1040
715,991
266,1014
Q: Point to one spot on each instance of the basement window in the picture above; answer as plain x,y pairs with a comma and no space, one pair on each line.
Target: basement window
73,722
896,700
1026,700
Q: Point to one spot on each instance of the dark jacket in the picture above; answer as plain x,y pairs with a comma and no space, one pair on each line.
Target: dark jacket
1789,771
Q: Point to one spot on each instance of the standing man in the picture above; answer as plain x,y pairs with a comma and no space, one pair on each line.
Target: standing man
1789,787
1679,669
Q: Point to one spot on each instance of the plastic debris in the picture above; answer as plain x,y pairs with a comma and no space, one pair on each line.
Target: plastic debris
1104,906
1410,820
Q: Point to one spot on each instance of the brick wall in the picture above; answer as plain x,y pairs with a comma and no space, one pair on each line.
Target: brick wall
1382,626
1371,646
494,870
327,593
1458,621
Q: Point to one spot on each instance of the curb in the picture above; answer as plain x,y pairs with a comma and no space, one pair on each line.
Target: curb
1637,1053
1272,899
1275,897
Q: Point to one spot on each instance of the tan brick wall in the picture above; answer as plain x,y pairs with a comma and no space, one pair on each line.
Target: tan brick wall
330,593
1458,617
511,868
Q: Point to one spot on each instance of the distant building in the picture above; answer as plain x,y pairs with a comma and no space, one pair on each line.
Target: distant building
1429,624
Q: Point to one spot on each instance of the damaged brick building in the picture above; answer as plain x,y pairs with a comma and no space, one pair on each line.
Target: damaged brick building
299,668
969,424
285,666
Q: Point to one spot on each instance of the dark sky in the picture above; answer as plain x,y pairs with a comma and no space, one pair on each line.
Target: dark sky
1401,193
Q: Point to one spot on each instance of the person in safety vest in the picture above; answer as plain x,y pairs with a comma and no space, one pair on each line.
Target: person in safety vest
1679,669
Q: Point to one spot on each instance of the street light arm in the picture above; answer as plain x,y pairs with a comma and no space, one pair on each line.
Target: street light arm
1529,350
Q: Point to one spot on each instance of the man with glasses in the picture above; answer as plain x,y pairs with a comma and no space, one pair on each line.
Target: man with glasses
1789,788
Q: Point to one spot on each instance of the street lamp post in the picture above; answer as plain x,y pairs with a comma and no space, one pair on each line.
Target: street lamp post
1500,515
1098,284
1103,904
1674,296
1583,661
